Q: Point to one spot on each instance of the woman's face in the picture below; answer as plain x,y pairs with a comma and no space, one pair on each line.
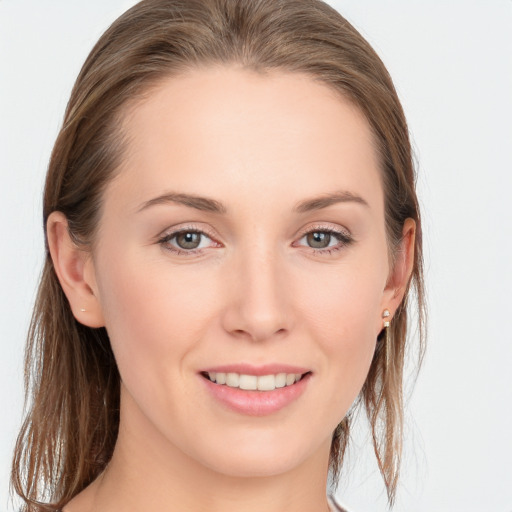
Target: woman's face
244,234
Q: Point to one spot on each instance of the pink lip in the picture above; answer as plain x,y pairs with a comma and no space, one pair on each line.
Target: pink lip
256,403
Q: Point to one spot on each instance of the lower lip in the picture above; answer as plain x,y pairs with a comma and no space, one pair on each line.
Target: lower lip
256,403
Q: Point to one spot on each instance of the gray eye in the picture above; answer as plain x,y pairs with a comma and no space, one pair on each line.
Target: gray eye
318,239
188,240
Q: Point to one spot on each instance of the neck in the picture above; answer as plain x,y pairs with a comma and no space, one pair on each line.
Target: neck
147,472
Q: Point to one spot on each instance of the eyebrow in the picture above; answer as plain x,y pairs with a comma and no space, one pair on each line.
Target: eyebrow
203,204
206,204
324,201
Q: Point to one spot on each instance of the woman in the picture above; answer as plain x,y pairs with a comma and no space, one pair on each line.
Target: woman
232,232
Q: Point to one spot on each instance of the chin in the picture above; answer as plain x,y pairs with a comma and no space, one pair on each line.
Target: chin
256,467
262,456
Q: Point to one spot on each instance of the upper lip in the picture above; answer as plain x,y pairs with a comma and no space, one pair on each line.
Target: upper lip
249,369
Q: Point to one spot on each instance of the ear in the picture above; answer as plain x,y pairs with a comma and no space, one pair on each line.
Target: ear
75,270
402,269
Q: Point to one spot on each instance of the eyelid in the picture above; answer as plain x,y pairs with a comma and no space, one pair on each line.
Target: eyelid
342,231
175,230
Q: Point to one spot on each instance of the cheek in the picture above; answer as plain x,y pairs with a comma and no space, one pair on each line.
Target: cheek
344,302
342,318
157,320
151,315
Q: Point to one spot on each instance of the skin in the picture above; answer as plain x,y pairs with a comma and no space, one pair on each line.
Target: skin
255,292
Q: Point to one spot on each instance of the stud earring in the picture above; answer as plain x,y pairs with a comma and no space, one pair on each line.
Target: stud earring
386,314
83,310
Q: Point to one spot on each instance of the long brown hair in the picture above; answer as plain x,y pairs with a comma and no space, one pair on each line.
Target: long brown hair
72,382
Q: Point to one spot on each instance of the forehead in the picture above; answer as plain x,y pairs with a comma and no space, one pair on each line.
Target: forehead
218,129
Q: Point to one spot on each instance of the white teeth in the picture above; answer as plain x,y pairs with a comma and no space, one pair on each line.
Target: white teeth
232,380
280,380
290,379
267,383
249,382
253,382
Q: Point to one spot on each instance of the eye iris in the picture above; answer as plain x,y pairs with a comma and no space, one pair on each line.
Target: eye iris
318,239
188,240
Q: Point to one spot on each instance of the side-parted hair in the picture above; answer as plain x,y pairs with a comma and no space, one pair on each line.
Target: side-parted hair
72,382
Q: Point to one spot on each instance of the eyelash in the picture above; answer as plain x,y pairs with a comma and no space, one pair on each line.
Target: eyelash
343,237
164,241
344,240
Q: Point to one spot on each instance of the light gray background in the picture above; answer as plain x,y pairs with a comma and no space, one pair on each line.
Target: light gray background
452,65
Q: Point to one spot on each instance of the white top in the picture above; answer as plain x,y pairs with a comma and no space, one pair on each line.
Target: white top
335,507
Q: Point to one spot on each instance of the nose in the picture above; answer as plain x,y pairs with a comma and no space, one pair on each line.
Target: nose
258,307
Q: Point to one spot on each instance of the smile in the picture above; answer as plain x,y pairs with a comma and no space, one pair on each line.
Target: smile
256,391
254,382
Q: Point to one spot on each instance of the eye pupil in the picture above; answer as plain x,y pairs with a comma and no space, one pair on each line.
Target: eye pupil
188,240
318,239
